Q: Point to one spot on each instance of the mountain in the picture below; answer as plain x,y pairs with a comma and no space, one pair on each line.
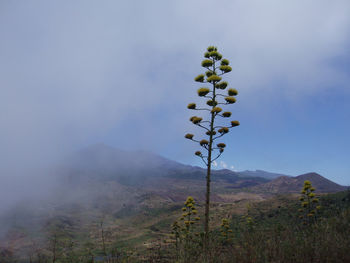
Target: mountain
135,194
140,168
101,167
260,173
285,184
99,164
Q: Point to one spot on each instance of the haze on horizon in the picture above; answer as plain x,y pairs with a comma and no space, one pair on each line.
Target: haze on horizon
78,73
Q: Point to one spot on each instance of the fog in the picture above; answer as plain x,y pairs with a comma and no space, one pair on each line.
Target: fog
82,72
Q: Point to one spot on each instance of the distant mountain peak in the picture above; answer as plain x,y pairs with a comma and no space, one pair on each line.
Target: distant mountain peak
310,175
285,184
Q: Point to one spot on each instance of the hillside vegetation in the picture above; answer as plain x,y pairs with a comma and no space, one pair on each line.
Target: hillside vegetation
271,231
260,231
105,210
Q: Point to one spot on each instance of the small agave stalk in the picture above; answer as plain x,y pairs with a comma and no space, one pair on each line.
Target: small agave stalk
183,230
189,217
176,232
216,98
226,231
309,203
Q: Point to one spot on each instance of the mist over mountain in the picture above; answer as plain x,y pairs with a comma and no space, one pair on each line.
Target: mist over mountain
101,181
140,168
100,175
106,178
102,163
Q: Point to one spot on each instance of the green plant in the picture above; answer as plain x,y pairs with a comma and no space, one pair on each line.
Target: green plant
216,67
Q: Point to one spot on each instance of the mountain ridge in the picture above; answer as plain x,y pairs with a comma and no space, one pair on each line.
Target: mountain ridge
142,168
261,173
286,184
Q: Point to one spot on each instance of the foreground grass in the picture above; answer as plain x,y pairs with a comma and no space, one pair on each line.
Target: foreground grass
278,235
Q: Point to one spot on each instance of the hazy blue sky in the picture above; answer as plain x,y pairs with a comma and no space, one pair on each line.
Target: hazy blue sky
74,73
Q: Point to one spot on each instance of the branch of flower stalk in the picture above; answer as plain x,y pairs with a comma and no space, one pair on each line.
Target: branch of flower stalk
222,73
208,97
222,116
218,155
217,137
221,95
216,127
216,148
201,109
205,146
209,69
202,157
193,140
198,124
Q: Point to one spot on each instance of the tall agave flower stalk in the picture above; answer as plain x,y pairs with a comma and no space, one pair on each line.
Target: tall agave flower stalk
216,97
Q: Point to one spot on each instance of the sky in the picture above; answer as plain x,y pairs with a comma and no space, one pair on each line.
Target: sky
76,73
